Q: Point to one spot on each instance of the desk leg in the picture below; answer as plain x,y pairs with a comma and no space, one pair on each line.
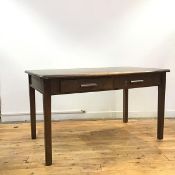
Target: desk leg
161,106
32,112
125,105
47,128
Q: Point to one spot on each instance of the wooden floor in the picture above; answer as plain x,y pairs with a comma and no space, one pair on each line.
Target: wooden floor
103,147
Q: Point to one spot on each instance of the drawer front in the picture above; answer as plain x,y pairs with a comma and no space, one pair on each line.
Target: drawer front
137,80
86,85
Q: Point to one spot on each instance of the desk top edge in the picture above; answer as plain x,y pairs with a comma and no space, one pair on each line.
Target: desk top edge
86,72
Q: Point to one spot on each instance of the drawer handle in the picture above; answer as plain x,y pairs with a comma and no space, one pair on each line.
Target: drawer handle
137,81
89,85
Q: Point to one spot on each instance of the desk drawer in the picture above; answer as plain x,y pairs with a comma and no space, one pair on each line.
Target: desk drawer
86,85
137,80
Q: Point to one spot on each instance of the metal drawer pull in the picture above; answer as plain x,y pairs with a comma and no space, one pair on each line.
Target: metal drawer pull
137,81
89,85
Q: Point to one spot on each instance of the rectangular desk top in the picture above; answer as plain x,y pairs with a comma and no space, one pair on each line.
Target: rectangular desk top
86,72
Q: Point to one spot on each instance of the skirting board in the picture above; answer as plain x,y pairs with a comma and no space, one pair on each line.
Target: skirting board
81,115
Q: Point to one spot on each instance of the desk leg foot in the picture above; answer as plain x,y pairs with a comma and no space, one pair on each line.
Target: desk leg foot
32,112
47,128
161,106
125,105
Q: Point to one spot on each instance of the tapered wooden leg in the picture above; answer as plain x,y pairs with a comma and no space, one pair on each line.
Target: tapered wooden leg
47,128
32,112
161,106
125,105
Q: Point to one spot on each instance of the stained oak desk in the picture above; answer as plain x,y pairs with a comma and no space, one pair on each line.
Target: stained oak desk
67,81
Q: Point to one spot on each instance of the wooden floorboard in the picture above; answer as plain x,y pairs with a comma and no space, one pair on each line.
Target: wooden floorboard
102,147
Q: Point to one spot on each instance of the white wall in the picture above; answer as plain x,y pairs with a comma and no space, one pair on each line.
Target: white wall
37,34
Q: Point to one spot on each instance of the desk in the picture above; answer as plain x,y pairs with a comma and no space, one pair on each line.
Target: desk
67,81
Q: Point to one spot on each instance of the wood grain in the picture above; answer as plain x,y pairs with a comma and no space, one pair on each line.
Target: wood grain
90,72
102,147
